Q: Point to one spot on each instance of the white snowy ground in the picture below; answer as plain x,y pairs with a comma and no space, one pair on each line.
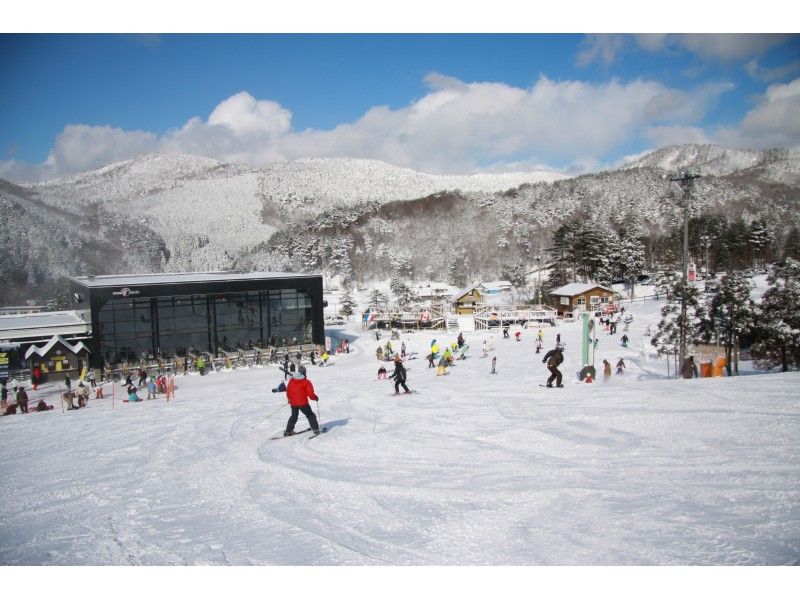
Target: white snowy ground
473,469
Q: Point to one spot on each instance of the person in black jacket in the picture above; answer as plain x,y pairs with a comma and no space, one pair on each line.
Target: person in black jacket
553,359
399,376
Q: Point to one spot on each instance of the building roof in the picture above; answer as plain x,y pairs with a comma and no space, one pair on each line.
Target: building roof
42,351
464,291
577,288
496,284
44,319
120,280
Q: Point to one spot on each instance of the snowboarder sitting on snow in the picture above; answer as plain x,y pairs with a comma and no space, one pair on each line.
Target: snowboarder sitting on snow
553,359
381,373
399,375
620,365
132,396
298,392
42,406
280,388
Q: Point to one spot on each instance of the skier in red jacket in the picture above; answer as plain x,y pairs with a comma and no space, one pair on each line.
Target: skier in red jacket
298,391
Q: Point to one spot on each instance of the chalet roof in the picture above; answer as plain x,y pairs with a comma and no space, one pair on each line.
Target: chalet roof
464,291
577,288
42,351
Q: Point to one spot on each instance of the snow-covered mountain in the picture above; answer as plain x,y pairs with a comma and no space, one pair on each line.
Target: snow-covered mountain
176,212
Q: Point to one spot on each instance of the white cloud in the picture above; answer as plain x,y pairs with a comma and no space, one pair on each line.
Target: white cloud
243,114
756,71
600,47
720,47
84,147
456,127
773,122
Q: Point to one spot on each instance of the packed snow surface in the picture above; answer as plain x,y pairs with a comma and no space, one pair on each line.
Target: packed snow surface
472,469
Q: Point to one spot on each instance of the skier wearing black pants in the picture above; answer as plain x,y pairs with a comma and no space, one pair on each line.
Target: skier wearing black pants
399,376
553,359
299,391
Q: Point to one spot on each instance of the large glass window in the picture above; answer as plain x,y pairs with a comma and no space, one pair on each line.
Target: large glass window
183,324
126,329
290,317
238,321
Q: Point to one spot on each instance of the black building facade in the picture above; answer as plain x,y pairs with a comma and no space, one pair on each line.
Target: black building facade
162,315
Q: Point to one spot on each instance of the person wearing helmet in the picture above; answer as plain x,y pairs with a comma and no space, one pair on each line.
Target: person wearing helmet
299,391
399,376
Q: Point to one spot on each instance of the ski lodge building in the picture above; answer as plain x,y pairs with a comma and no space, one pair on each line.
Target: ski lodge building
146,316
577,296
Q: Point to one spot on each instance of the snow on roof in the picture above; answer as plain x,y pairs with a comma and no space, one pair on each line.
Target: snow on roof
578,288
464,291
118,280
45,319
498,283
41,351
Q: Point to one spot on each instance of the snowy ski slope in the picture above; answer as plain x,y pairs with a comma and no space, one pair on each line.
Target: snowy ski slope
473,469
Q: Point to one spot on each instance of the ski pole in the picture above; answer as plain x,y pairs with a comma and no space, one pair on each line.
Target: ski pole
319,417
263,419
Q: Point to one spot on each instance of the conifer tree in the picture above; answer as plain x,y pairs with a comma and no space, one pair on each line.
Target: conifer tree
730,316
667,336
778,319
348,303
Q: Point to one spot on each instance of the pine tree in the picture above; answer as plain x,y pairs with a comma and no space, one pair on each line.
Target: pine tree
404,295
377,299
791,247
760,240
457,268
563,256
778,319
730,315
667,337
631,257
515,274
348,303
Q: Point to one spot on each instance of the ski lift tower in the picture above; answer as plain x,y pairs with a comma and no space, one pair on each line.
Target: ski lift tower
686,182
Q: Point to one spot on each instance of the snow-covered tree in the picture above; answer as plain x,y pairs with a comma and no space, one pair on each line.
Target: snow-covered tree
377,299
778,319
404,295
667,337
730,316
457,268
791,246
630,259
348,304
514,273
760,240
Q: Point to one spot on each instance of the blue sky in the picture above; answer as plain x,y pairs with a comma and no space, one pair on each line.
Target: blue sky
432,102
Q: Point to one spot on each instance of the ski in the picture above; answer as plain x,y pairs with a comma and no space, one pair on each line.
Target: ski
294,434
545,386
321,431
397,394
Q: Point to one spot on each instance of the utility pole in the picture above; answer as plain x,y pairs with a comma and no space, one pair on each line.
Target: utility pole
686,181
539,285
